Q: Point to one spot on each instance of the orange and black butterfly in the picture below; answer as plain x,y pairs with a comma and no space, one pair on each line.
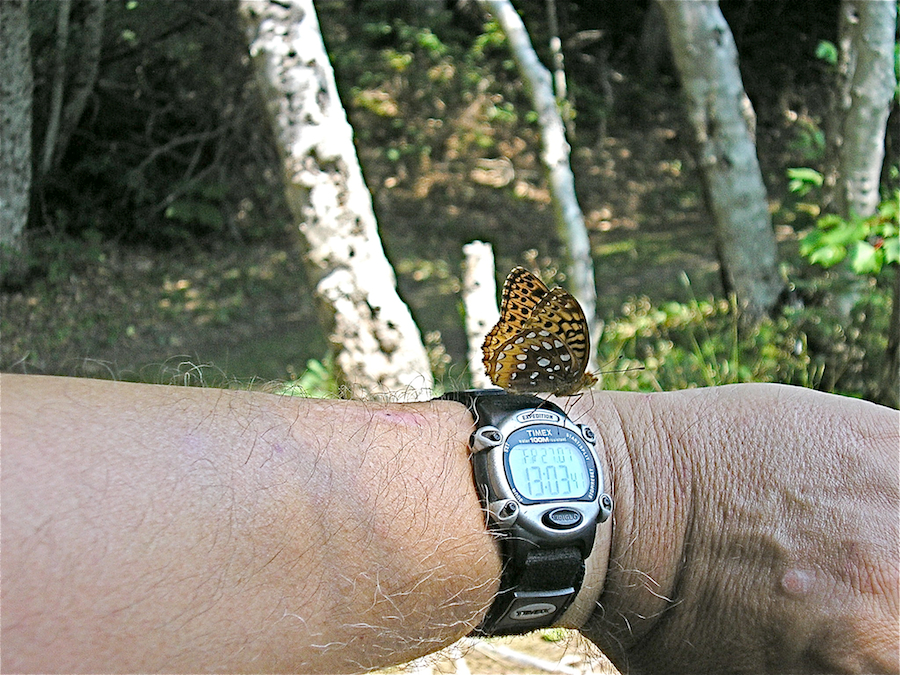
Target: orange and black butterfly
541,342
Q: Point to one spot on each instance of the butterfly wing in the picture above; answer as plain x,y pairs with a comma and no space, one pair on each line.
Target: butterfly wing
548,352
522,292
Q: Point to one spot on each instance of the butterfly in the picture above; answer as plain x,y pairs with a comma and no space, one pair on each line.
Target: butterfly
541,342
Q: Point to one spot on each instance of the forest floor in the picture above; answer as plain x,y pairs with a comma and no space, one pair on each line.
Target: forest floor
233,312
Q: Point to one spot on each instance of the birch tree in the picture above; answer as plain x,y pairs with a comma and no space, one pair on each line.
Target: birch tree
377,347
16,94
865,88
555,158
707,61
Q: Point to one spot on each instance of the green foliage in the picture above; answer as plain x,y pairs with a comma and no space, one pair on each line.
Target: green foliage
198,210
803,180
672,346
827,51
434,91
702,343
555,634
866,243
60,257
175,144
808,143
318,381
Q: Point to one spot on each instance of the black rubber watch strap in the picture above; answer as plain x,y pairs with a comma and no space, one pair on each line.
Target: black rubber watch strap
532,578
491,406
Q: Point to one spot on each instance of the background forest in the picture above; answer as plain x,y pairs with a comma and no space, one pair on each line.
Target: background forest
162,248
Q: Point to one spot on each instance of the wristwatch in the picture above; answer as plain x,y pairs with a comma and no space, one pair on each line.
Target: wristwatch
540,482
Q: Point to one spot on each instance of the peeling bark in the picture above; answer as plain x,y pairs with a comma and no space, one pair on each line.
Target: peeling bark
377,346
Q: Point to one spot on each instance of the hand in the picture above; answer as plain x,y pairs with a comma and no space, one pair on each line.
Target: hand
755,530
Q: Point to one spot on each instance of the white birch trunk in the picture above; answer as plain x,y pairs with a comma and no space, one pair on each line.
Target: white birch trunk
867,31
16,94
707,60
377,346
555,157
479,295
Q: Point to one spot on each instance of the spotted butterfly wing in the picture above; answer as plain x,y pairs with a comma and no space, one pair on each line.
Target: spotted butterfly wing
541,342
522,291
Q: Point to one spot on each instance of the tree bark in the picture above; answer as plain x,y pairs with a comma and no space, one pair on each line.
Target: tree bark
83,76
706,58
58,89
890,383
479,295
863,93
16,95
377,347
865,89
555,157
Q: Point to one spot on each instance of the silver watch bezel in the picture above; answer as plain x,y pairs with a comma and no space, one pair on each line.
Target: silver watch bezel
510,511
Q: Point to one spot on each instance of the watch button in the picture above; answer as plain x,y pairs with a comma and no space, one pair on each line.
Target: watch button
562,518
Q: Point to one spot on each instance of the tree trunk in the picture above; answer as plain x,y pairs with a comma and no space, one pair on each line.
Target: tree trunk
857,125
479,293
16,94
83,76
707,61
890,383
58,89
865,88
555,157
377,347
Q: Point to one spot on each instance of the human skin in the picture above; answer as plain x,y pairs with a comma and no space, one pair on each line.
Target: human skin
153,528
760,533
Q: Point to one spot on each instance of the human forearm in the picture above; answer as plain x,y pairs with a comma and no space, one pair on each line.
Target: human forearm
160,528
164,528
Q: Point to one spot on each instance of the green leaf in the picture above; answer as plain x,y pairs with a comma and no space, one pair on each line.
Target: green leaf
827,51
889,209
806,174
892,250
864,258
811,242
803,179
830,221
827,255
842,232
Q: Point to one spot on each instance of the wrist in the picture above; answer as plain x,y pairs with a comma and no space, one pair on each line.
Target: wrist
641,538
539,477
596,564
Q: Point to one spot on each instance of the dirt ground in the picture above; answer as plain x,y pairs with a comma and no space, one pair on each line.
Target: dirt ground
233,312
552,651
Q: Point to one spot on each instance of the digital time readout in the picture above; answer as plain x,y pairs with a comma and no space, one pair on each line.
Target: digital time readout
542,471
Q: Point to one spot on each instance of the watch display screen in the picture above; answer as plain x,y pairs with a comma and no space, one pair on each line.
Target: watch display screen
542,469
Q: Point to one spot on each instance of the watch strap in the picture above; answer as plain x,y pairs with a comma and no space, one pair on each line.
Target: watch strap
537,584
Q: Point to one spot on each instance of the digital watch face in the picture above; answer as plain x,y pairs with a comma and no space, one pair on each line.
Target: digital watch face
549,463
